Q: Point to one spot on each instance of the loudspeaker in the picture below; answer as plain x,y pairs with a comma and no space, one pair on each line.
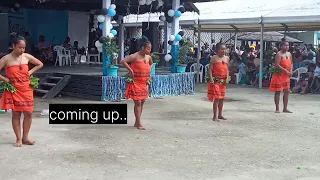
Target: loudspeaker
4,33
152,34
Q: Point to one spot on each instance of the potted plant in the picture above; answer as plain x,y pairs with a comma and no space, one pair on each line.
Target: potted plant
184,49
112,50
155,59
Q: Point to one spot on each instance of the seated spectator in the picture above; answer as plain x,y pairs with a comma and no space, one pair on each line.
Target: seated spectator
302,85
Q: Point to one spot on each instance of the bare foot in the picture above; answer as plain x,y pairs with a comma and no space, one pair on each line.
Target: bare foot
135,125
287,111
277,111
18,143
141,127
216,119
28,142
221,117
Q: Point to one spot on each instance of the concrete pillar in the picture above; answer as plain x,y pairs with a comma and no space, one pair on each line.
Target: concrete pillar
175,31
105,31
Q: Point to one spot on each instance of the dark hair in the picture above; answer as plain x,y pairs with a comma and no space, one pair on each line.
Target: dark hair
144,41
283,42
218,46
15,38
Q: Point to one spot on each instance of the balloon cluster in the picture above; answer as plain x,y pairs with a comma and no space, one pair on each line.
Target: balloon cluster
172,14
169,18
101,18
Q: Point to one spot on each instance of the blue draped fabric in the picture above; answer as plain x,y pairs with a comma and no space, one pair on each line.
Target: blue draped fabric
114,87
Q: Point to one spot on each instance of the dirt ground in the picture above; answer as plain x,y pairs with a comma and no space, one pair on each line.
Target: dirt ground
181,142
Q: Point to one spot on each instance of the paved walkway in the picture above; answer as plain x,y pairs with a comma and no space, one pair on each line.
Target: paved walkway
181,143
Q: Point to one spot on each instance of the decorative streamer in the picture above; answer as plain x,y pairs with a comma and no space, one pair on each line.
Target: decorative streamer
137,17
149,17
160,15
114,87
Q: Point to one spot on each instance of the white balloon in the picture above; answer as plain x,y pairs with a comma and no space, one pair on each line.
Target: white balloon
93,29
160,3
95,26
101,18
113,6
111,26
172,38
167,57
95,16
142,2
153,0
95,21
169,48
148,2
110,35
100,49
171,13
162,18
98,44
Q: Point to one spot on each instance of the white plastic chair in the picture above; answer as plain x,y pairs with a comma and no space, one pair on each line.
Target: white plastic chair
298,72
193,68
237,77
62,54
96,58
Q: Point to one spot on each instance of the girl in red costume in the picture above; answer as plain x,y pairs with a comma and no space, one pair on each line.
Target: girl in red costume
139,69
219,77
281,82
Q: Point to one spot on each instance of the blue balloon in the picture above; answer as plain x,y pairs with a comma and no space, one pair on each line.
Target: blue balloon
111,12
114,32
177,14
101,26
178,37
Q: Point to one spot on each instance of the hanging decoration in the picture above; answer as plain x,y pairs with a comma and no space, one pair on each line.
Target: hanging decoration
162,18
114,32
142,2
101,18
177,14
111,12
104,11
167,57
101,26
178,37
171,13
160,3
98,44
172,37
181,33
148,2
113,6
170,42
102,40
182,9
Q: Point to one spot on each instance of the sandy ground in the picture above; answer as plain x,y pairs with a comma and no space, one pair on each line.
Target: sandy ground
181,142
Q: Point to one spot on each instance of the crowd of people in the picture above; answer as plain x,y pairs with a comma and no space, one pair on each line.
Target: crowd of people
245,62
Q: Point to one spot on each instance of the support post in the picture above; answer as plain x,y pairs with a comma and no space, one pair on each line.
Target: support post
235,41
175,31
261,54
166,37
198,51
121,39
105,31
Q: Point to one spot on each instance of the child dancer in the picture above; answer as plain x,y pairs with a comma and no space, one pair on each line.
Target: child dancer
218,74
